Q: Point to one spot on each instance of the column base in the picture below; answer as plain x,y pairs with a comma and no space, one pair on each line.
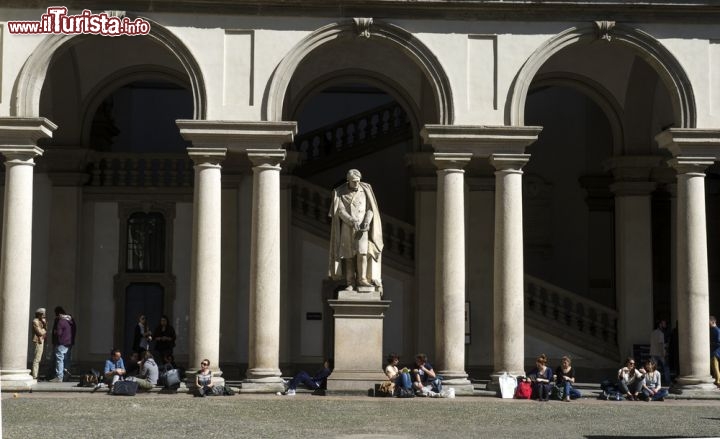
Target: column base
354,382
262,381
458,380
695,387
16,380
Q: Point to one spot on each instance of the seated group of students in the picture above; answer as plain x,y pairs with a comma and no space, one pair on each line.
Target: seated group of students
142,368
635,384
421,379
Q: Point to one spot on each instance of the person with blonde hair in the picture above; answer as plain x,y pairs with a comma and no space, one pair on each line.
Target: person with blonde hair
541,377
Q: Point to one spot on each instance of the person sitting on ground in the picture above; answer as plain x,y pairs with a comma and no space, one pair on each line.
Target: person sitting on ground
425,381
565,378
630,379
315,382
203,379
149,373
401,377
114,368
540,377
652,384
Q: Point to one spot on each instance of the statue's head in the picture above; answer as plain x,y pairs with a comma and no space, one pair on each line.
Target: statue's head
353,178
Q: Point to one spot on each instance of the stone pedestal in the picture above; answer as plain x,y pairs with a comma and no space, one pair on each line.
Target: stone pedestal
358,342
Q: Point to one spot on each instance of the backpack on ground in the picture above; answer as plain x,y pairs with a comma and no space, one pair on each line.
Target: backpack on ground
524,390
90,379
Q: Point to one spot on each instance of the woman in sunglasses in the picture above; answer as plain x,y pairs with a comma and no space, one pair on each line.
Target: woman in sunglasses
203,379
630,379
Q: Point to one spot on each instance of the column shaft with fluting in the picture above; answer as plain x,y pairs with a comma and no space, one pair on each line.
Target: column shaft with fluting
204,339
450,268
509,271
264,343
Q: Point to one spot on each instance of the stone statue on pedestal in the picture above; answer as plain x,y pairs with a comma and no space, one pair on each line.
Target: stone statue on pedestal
356,240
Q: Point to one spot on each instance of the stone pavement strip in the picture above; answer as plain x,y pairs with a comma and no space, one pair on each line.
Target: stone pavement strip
91,415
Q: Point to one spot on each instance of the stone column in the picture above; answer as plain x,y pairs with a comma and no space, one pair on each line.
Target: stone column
509,271
693,150
263,368
204,336
18,138
450,270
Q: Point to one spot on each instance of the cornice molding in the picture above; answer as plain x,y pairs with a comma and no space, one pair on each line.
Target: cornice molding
481,141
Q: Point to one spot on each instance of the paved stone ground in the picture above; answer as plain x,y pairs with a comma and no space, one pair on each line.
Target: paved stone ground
74,415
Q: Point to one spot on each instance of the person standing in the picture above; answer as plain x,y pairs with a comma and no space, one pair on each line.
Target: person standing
142,336
39,326
658,349
63,334
164,336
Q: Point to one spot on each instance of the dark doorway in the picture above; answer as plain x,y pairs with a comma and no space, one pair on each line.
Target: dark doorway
141,298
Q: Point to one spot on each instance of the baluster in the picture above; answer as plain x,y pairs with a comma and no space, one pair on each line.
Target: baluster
122,172
580,311
374,121
605,325
189,179
567,311
147,172
304,150
315,153
592,321
362,129
543,301
96,172
555,305
411,246
326,208
388,231
162,172
328,145
530,296
386,121
339,135
133,164
350,134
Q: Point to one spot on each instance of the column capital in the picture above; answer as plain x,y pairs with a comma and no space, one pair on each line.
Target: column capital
238,136
509,162
691,165
480,141
633,188
18,132
451,160
212,156
266,157
20,154
691,142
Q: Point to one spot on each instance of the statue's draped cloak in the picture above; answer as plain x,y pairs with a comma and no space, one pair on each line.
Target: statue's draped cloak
375,239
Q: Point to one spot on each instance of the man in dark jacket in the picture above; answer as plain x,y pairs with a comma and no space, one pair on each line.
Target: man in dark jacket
63,337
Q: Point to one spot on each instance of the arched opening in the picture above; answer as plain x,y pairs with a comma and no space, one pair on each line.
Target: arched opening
360,101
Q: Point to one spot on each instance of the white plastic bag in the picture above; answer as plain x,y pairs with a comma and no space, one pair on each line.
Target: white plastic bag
508,384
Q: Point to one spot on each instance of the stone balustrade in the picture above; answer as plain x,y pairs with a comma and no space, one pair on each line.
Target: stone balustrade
571,317
140,170
380,126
